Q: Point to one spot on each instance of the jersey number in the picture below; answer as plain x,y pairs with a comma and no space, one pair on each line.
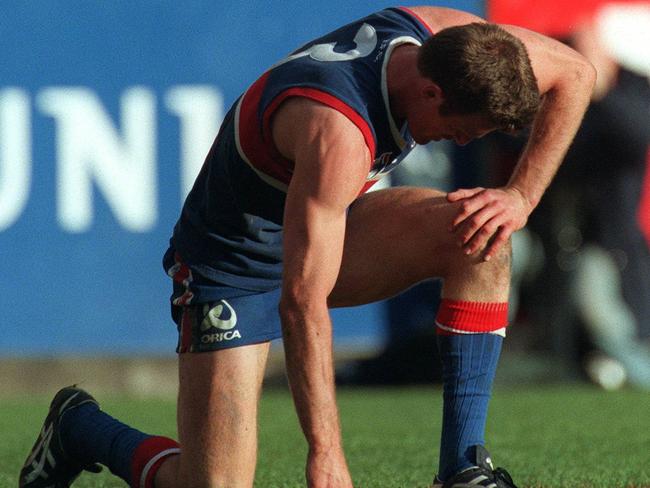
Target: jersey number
365,41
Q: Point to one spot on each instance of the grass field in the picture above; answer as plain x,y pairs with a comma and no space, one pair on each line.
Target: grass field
571,436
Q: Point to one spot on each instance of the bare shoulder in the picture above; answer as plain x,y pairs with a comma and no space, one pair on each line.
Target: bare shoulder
301,121
438,18
552,61
331,159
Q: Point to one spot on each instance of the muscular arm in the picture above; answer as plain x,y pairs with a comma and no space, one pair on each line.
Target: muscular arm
566,81
331,162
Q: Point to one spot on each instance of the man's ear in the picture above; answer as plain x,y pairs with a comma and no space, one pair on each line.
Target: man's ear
432,90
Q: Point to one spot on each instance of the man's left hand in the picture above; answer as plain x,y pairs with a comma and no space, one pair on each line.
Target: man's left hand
487,218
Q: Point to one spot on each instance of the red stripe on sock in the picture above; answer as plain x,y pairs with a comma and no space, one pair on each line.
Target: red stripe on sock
141,464
455,316
444,332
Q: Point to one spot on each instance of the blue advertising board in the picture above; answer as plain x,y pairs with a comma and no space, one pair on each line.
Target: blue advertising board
106,112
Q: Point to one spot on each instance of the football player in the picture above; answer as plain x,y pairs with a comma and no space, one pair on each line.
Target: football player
278,228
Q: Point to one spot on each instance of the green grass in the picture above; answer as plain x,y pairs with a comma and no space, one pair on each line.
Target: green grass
560,437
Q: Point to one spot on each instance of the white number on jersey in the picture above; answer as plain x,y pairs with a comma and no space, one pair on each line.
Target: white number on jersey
365,42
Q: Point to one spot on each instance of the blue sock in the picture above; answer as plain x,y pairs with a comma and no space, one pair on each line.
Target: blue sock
469,362
91,436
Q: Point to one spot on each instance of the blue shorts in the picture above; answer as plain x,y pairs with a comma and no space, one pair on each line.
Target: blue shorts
211,316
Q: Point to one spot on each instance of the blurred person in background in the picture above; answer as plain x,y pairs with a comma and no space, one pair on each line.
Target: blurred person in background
605,172
278,220
593,219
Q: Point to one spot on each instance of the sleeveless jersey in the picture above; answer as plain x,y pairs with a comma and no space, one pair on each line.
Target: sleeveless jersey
230,229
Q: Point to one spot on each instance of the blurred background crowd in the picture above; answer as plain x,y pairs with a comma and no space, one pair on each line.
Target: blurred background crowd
581,284
110,108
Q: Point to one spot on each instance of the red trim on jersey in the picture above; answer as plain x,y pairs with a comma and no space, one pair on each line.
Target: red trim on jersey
260,150
456,316
413,14
326,99
183,276
183,273
148,457
366,186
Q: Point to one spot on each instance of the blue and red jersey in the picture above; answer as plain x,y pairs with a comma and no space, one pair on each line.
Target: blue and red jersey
230,230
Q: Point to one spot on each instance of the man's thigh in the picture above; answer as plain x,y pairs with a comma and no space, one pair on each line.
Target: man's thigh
394,239
223,346
217,415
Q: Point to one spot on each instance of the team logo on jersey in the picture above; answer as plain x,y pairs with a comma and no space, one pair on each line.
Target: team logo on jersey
221,316
386,162
380,165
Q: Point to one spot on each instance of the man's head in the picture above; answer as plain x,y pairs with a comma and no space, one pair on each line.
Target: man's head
483,70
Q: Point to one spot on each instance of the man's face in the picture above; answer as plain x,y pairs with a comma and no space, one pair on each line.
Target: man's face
461,129
426,123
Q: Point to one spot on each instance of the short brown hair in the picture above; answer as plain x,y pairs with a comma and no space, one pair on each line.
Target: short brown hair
481,68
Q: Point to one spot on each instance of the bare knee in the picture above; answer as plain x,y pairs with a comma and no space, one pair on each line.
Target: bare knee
470,277
445,254
217,416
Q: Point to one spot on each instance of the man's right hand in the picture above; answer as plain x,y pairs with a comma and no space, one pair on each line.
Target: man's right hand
327,470
331,163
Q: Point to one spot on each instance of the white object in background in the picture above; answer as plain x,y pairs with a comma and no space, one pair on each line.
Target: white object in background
625,30
605,372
